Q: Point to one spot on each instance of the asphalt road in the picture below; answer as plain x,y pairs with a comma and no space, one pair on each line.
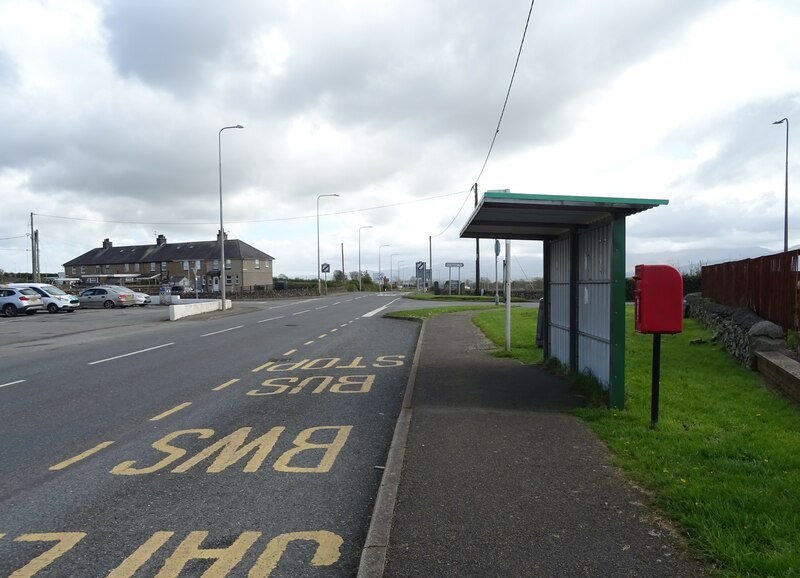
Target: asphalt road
247,444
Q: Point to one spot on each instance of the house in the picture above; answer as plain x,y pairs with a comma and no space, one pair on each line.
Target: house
246,268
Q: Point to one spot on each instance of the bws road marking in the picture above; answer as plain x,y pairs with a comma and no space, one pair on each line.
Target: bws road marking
344,384
327,553
304,457
79,457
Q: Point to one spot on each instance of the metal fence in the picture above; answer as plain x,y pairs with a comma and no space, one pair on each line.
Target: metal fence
767,285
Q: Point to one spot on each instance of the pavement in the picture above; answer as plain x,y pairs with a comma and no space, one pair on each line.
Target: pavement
490,474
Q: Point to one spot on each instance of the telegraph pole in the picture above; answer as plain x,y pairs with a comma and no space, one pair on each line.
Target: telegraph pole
477,253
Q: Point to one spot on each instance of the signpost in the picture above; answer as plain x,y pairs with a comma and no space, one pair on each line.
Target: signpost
326,268
450,276
420,268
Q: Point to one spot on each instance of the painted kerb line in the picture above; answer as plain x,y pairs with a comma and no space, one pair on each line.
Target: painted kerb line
132,353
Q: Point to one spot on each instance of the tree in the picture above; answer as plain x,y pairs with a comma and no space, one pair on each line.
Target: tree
354,275
366,278
339,277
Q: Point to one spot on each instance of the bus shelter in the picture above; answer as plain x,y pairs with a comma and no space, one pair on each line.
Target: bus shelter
583,314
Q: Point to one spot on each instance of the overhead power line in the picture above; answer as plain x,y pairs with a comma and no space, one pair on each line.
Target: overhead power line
312,216
508,93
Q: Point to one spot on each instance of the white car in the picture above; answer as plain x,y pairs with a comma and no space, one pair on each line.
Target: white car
53,298
141,299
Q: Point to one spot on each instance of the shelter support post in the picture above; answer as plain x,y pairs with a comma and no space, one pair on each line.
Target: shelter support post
616,386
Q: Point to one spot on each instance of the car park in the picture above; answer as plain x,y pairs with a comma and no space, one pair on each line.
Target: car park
16,300
107,296
53,298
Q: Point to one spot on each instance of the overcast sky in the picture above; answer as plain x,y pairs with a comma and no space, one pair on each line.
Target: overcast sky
111,110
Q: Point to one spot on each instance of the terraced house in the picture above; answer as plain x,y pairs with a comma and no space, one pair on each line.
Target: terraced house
192,263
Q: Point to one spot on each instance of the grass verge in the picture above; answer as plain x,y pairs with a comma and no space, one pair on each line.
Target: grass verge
723,463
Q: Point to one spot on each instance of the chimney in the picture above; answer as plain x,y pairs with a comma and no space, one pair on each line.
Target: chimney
161,240
226,236
107,244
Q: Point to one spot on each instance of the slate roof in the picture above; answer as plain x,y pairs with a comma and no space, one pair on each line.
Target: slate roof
167,252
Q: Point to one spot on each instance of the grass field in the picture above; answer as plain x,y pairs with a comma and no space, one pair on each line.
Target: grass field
723,463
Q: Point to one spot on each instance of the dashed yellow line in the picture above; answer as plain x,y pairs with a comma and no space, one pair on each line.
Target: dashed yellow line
79,457
226,384
171,411
323,336
334,330
290,352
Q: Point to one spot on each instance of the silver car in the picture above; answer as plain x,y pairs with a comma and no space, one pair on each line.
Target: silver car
15,300
107,296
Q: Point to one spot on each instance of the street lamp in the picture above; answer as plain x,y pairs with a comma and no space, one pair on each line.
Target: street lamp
359,254
319,265
786,184
221,229
379,264
392,256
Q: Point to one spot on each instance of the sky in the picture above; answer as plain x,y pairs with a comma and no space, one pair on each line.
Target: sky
109,112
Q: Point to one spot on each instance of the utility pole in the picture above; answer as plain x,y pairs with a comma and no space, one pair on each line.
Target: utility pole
477,253
430,260
34,253
344,274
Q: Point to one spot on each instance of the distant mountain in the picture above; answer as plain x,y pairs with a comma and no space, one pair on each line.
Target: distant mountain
693,258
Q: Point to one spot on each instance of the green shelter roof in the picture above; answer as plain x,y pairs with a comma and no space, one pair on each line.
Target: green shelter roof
505,215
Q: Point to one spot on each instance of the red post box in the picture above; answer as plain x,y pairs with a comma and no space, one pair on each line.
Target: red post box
659,299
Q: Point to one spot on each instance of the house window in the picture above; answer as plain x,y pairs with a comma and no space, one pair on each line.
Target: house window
152,267
126,268
227,263
136,268
236,279
215,264
258,264
97,268
163,265
227,279
186,265
197,265
266,264
83,269
74,270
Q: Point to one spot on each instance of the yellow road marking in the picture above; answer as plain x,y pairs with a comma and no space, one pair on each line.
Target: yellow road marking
79,457
171,411
260,367
309,342
226,384
323,336
290,352
334,330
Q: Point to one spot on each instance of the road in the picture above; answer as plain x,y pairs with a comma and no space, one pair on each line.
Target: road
248,444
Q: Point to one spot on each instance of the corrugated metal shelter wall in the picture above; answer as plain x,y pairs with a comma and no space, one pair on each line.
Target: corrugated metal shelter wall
594,303
559,299
766,285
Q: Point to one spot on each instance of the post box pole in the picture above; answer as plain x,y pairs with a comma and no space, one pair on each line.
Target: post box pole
656,376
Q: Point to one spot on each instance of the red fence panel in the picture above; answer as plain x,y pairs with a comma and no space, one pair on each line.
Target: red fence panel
767,285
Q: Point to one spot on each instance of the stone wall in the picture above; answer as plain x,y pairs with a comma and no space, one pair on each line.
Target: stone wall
740,331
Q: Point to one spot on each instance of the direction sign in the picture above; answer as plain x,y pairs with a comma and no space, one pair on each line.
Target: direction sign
454,264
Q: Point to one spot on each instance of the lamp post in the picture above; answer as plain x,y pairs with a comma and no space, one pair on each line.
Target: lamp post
400,264
392,256
379,264
359,254
221,229
319,279
786,194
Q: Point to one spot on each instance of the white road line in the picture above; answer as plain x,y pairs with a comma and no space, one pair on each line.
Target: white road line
272,318
223,330
13,383
337,303
132,353
301,312
323,307
379,309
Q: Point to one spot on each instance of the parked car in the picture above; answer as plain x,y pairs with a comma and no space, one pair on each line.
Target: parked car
53,298
180,290
108,296
141,299
15,300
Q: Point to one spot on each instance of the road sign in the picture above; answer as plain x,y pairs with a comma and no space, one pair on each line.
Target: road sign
454,264
420,269
326,268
